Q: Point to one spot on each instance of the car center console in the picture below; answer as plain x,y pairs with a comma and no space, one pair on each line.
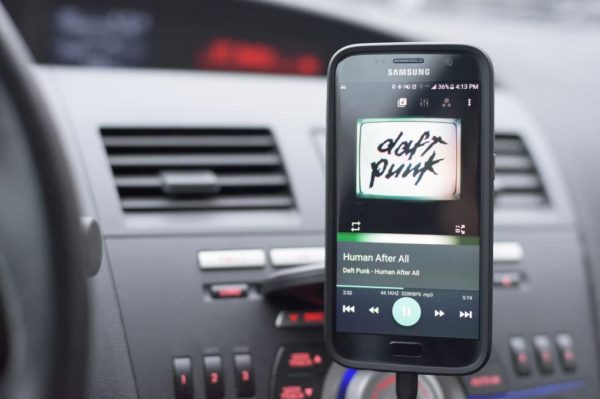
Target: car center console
220,292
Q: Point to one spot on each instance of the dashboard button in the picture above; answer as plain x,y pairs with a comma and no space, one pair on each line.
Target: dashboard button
232,259
182,374
508,251
566,351
281,257
213,377
543,353
301,358
299,318
222,291
507,279
520,355
244,375
489,380
298,387
406,312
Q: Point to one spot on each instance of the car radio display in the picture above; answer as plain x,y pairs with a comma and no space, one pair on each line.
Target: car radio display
408,215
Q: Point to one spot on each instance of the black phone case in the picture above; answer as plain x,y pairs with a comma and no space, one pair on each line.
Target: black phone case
486,197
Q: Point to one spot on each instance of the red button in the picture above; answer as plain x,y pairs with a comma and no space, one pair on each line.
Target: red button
519,349
222,291
507,279
569,356
522,358
544,353
313,317
490,380
294,317
298,360
245,376
299,386
291,392
213,376
296,392
182,368
566,349
485,381
299,319
244,380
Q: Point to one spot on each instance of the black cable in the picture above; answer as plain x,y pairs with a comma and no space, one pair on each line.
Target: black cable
407,385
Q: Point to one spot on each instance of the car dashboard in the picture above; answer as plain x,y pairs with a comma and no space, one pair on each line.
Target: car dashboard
218,293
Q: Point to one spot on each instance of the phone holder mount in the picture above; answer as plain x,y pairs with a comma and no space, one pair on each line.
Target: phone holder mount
287,282
407,385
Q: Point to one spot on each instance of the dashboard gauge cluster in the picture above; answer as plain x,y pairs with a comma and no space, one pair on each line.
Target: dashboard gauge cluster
185,34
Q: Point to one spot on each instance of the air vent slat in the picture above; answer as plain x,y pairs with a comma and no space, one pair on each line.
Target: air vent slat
223,202
240,180
513,163
163,170
138,182
175,141
194,160
517,183
520,200
509,145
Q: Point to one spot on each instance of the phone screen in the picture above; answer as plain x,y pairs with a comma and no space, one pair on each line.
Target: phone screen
408,185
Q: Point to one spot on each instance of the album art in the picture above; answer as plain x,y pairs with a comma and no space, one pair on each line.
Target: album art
408,159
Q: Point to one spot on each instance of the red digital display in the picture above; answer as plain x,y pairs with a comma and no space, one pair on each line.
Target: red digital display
223,53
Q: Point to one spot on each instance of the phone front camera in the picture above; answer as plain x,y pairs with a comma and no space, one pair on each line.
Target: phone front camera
449,62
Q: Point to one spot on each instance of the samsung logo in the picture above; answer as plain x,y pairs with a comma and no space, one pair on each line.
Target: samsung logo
408,72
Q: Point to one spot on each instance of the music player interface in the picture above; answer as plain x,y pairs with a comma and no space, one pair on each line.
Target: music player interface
408,209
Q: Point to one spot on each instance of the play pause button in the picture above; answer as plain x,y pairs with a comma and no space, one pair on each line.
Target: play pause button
406,312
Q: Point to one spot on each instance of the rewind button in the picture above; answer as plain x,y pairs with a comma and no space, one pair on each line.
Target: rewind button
374,309
348,309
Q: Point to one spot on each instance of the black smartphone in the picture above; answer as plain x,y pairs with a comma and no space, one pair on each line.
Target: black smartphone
409,208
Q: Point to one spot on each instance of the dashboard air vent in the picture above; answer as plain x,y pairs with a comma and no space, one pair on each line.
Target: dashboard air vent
517,184
197,169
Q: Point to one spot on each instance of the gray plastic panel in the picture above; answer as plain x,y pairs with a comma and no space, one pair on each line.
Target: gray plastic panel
166,311
551,300
110,373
